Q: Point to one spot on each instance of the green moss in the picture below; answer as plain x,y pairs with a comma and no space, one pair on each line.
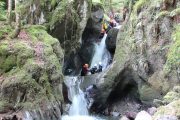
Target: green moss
171,109
162,14
171,96
59,13
139,4
53,3
5,30
175,12
173,57
39,33
9,63
2,11
4,106
4,47
95,2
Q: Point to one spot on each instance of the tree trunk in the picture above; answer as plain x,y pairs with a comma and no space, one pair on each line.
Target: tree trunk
18,21
9,11
111,8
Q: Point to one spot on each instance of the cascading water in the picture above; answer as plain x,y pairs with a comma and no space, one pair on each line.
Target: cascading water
78,109
101,53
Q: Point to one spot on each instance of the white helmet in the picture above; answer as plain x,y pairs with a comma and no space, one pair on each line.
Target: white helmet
100,63
95,65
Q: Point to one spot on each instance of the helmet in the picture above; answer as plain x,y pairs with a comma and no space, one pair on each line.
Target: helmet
103,30
100,63
86,65
95,65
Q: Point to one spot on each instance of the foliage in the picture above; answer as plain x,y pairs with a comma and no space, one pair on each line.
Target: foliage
162,14
5,30
173,58
139,4
2,11
175,12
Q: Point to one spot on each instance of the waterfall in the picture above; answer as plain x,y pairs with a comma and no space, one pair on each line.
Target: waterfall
41,19
79,104
78,109
101,53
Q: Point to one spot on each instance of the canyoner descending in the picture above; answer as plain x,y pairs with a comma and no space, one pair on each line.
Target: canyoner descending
101,54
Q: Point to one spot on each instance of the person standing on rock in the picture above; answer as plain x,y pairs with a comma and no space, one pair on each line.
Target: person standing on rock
85,70
94,69
103,31
100,67
90,94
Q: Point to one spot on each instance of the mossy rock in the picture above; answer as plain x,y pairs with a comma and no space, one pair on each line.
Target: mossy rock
173,57
139,4
171,109
5,30
171,96
32,69
148,94
4,106
162,14
175,12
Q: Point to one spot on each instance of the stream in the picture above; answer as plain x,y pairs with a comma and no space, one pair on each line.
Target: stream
78,109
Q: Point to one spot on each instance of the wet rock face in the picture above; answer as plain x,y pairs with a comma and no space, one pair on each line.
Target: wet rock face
125,86
143,48
51,111
67,25
90,35
111,40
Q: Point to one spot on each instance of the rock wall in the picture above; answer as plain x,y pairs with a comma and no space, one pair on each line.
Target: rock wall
67,24
147,50
30,71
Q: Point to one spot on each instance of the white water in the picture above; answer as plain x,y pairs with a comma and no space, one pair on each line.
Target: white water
101,53
42,19
78,109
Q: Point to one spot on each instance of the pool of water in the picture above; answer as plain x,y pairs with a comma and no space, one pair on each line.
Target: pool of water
66,117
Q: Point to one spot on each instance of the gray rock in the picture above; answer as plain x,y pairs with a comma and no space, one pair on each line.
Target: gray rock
152,110
143,115
166,117
124,118
115,114
111,39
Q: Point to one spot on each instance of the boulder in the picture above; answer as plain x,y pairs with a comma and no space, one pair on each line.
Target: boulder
143,115
172,109
31,74
152,110
111,40
166,117
124,118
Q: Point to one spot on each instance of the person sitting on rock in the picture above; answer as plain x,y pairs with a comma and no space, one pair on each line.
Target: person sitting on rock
90,94
112,23
94,69
100,67
85,70
104,26
102,33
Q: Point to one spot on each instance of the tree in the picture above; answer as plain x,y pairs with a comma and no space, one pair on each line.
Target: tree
111,7
18,20
9,11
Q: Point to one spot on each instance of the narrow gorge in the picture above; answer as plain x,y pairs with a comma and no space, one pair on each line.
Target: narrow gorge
90,60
